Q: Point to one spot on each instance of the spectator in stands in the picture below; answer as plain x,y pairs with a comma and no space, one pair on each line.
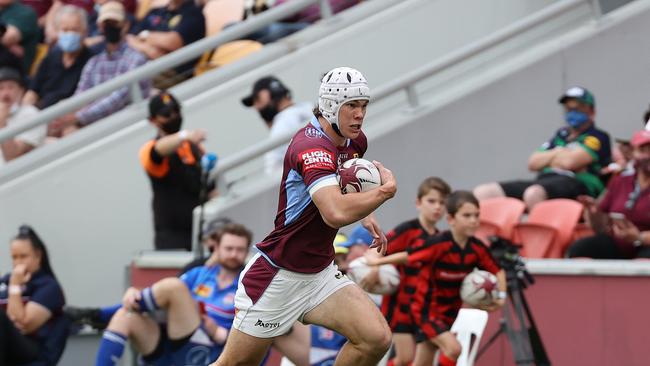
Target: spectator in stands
167,29
273,31
22,32
569,164
95,38
34,300
7,58
199,310
41,8
282,115
358,243
117,59
621,220
171,161
89,6
210,239
12,112
59,72
312,13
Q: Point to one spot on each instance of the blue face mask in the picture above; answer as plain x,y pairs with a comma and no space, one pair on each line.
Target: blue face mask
69,41
576,119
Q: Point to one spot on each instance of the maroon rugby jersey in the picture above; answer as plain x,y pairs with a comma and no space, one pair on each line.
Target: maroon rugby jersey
302,241
444,266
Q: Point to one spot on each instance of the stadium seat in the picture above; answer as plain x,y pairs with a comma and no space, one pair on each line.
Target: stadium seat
468,328
549,229
225,54
498,217
582,230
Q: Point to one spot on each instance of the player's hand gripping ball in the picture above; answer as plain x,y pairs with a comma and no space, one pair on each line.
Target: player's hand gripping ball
358,175
479,288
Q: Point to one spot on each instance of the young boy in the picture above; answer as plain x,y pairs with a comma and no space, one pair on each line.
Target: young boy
446,259
430,204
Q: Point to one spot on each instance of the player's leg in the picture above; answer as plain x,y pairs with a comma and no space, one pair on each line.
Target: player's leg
350,312
488,190
404,346
295,345
242,350
449,348
172,294
424,353
143,332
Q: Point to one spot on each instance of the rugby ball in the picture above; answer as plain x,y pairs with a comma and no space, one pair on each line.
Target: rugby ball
388,276
479,288
358,175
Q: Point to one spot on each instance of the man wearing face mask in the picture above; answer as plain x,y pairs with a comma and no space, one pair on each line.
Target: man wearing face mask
172,162
282,116
569,164
116,59
621,218
59,72
13,113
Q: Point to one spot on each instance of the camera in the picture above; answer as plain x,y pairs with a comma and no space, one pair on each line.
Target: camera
506,253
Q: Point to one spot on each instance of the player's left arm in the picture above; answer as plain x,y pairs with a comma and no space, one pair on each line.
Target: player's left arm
397,258
578,155
487,262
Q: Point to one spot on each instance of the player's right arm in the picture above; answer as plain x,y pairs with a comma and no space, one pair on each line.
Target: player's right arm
397,258
167,145
338,209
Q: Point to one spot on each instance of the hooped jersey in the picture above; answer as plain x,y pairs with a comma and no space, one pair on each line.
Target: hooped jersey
302,241
217,303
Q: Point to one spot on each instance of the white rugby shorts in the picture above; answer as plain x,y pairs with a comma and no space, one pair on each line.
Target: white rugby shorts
270,299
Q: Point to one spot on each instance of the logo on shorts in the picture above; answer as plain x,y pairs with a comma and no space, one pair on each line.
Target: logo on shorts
262,324
338,275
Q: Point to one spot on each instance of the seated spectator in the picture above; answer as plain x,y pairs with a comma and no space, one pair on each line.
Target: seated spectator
117,59
22,32
34,300
167,29
40,7
95,39
199,310
358,242
13,113
569,164
625,233
312,13
59,72
171,163
15,348
273,31
282,115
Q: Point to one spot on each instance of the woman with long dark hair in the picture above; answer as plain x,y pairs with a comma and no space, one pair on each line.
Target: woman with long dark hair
32,301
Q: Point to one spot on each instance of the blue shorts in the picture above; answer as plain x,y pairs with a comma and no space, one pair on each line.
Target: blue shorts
197,349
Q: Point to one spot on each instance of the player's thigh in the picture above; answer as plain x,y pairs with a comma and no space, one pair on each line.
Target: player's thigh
404,345
143,331
350,312
242,349
424,353
182,312
447,343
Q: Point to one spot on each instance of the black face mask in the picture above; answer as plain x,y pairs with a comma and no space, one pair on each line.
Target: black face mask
269,112
112,34
172,125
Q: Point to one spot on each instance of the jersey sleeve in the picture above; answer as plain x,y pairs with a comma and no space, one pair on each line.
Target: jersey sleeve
48,293
315,163
153,163
486,261
398,239
422,253
190,277
593,145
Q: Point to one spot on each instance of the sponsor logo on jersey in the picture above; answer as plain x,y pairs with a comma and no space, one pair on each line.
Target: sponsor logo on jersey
317,159
452,276
313,133
203,290
592,142
269,325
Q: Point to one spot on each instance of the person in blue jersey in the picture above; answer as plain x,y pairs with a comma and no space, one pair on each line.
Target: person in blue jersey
33,330
181,321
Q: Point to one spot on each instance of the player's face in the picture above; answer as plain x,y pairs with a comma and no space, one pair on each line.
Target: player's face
232,251
23,253
431,206
351,115
465,221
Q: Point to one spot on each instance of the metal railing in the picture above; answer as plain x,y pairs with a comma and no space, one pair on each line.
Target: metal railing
408,81
169,61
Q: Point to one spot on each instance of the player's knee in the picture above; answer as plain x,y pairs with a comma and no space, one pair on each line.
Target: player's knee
378,340
170,284
453,351
488,190
534,194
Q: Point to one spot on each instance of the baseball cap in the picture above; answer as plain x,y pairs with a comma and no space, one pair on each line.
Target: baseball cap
359,235
338,239
163,104
112,10
580,94
9,73
640,138
269,83
215,225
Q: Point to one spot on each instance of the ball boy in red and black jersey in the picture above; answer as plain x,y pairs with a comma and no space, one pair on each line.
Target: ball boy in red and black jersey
446,259
430,204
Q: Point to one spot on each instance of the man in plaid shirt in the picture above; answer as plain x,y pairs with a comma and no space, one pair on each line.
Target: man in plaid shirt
118,58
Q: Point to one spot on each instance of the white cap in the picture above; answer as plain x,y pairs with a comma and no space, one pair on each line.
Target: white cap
339,86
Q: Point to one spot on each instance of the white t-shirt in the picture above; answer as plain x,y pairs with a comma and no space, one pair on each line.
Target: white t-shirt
33,137
289,120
